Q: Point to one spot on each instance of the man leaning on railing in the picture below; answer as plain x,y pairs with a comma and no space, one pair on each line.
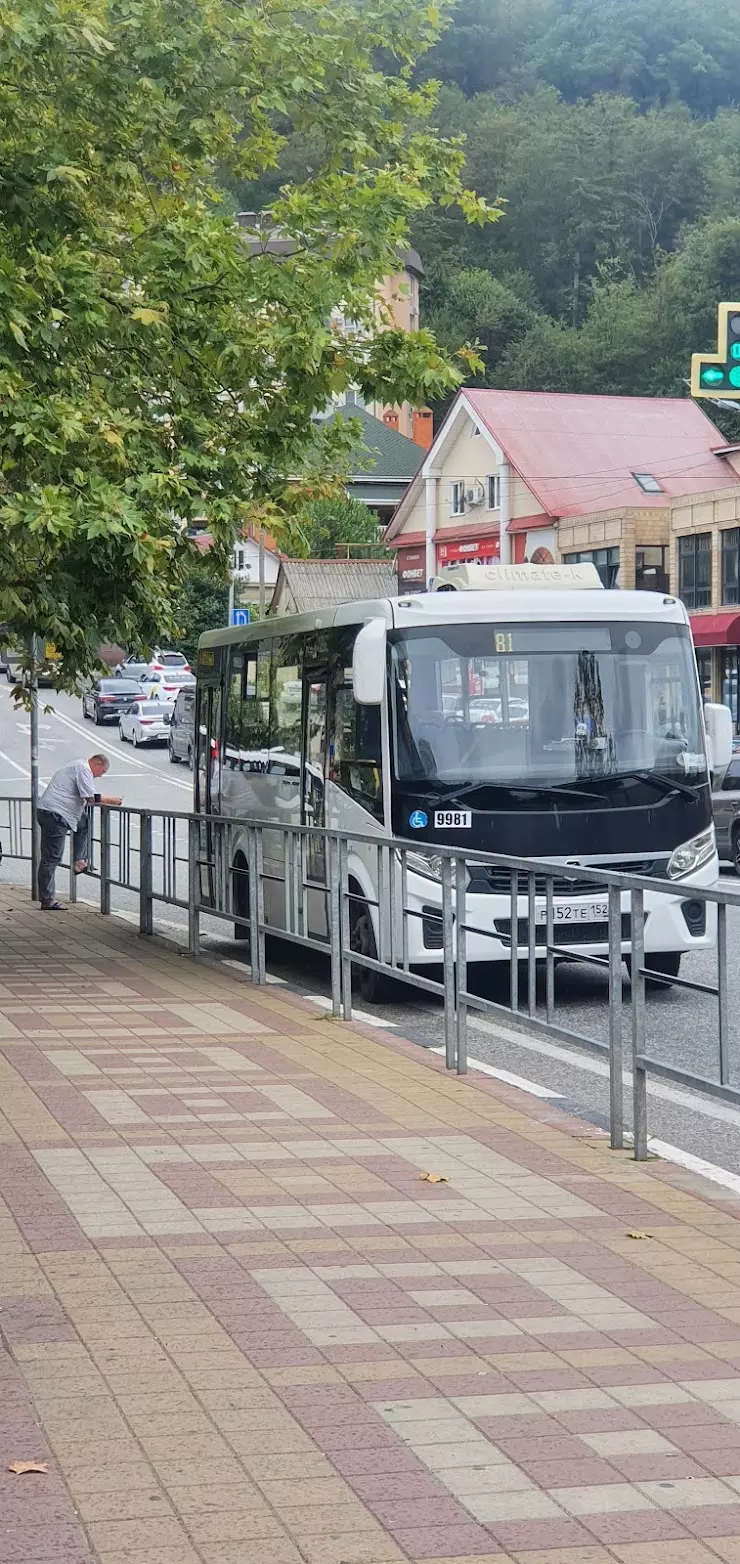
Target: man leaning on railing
62,809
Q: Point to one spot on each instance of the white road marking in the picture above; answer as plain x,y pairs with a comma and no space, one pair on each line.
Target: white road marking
14,764
509,1079
357,1015
685,1159
131,760
697,1104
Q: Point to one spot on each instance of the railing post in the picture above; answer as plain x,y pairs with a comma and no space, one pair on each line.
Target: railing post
194,886
549,953
335,939
514,956
639,1076
344,930
448,957
104,859
531,944
256,905
461,874
616,1062
724,1029
146,906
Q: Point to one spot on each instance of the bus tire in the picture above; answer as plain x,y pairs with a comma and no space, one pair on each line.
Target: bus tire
372,987
736,849
240,872
664,963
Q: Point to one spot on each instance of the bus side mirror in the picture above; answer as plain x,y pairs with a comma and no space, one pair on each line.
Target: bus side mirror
718,723
368,664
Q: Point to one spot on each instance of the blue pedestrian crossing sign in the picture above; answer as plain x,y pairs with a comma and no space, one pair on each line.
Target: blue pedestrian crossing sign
240,616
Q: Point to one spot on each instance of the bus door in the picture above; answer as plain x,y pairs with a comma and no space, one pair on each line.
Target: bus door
208,771
315,731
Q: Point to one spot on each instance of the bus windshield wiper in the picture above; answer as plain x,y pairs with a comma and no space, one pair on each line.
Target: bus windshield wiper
664,784
452,795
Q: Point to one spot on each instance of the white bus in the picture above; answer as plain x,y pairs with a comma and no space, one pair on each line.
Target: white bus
557,721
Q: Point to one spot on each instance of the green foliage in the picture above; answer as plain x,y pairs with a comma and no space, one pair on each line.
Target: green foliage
202,603
152,371
324,524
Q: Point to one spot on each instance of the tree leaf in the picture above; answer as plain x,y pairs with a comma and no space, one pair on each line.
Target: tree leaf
433,1178
20,1467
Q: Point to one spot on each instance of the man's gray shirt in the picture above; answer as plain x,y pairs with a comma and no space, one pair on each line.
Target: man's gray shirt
68,791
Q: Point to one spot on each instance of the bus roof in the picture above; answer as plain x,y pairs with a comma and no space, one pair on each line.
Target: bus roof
441,608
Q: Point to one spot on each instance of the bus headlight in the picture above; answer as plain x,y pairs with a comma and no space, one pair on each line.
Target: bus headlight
691,855
430,867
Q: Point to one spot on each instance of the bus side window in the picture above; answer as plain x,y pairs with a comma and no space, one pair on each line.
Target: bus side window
285,709
256,720
234,710
357,763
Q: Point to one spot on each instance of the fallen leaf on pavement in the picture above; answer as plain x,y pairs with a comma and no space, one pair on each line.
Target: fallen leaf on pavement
433,1178
639,1235
19,1467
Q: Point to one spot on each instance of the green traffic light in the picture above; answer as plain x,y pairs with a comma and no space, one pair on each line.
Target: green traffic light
734,376
735,350
713,377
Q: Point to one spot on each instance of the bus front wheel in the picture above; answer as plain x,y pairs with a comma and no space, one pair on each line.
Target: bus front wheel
372,987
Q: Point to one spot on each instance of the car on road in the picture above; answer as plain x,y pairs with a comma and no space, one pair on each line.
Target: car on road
726,811
159,662
165,685
145,722
12,663
107,698
181,739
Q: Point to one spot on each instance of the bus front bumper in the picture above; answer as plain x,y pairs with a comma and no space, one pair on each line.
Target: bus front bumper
674,921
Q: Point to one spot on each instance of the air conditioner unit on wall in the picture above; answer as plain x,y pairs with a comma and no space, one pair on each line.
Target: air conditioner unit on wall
474,493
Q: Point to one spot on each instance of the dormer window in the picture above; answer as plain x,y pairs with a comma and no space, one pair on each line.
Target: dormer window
648,483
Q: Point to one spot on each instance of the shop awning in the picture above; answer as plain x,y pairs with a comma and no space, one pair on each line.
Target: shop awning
715,629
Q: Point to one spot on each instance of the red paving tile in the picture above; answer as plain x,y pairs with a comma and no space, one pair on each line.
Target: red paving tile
275,1360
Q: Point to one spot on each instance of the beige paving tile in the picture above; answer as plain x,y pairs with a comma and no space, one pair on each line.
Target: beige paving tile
605,1499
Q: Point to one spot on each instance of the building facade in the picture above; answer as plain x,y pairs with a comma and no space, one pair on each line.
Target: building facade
705,574
542,477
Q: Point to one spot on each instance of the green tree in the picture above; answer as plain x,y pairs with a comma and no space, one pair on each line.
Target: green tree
152,370
201,603
323,525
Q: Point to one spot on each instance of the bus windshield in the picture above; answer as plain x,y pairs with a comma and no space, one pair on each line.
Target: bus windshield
545,702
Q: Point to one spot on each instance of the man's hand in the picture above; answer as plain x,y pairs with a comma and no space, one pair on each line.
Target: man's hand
110,800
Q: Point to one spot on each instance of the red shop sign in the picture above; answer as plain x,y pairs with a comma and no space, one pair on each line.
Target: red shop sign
412,569
483,551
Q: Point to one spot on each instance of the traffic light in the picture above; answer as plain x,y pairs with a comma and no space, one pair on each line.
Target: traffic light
718,374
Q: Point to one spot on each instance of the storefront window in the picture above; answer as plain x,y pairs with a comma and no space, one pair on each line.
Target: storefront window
695,570
730,560
704,670
606,561
651,574
729,661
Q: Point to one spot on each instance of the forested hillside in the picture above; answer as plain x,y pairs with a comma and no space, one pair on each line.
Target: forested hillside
610,129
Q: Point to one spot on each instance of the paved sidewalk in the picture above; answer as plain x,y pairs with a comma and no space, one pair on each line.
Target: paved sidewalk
241,1327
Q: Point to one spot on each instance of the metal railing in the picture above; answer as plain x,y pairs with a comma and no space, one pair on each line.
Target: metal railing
218,868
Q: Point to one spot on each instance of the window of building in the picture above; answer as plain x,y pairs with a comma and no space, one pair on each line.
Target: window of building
457,498
648,483
651,574
729,670
606,561
494,492
731,565
239,556
695,569
704,670
476,432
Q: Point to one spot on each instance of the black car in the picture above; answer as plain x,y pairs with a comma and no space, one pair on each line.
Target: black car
107,698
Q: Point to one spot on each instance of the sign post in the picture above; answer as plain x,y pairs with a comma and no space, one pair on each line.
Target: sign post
717,375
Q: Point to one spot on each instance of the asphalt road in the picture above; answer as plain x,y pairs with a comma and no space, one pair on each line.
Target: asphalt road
681,1024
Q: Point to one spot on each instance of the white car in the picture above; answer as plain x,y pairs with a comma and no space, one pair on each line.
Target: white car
166,684
145,722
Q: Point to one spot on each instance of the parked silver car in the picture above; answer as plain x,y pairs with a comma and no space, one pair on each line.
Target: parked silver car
726,806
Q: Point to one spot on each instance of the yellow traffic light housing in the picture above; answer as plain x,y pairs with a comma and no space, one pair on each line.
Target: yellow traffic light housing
717,374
